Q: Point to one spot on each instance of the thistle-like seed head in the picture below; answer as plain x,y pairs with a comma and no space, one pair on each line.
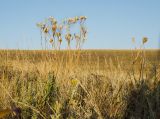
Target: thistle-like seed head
58,34
68,36
54,27
46,30
60,40
51,40
83,18
145,39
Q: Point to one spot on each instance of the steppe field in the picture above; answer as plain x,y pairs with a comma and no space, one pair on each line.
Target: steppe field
80,84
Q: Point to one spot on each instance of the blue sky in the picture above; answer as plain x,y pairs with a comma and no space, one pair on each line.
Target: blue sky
111,23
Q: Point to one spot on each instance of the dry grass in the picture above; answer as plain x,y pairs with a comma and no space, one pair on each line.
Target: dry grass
80,84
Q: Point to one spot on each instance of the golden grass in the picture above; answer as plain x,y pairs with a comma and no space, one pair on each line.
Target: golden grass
80,84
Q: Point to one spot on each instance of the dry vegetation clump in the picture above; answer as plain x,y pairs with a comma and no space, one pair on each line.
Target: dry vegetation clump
67,31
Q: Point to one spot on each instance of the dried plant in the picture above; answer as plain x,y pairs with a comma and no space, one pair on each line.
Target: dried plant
56,31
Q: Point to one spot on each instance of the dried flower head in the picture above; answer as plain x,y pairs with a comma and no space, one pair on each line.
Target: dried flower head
68,36
52,20
58,34
51,40
71,20
54,27
40,25
46,30
77,37
145,39
55,22
60,40
60,27
76,18
83,18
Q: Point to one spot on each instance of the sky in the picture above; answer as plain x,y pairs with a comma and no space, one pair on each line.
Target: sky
111,24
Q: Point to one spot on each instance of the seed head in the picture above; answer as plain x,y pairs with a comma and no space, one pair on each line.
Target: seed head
76,18
83,18
51,40
60,40
54,27
77,37
68,36
145,39
46,30
60,27
55,22
58,34
72,20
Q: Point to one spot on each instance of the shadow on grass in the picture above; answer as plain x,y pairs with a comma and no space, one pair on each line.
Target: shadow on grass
143,102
